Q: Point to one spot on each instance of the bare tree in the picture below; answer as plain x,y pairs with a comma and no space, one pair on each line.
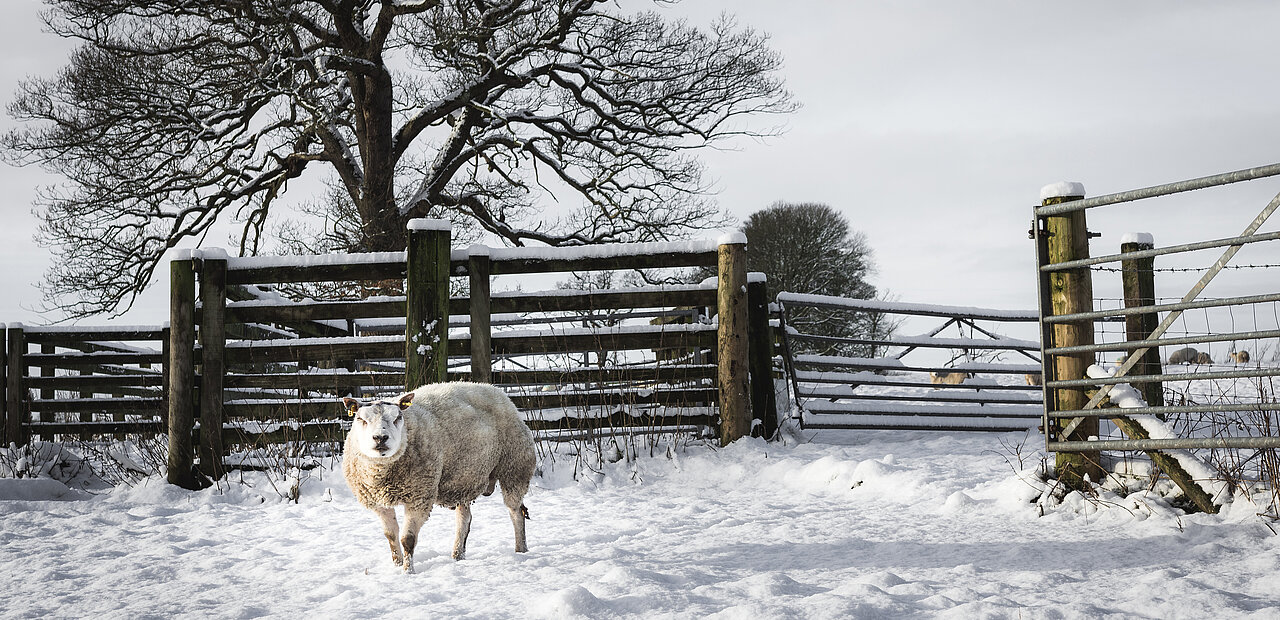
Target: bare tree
173,115
809,248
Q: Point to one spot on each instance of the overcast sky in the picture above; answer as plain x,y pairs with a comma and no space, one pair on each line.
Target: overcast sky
932,126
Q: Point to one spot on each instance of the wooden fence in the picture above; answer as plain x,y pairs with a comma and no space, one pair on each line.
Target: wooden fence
266,369
889,392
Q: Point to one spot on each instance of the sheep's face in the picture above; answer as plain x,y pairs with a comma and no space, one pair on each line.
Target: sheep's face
378,427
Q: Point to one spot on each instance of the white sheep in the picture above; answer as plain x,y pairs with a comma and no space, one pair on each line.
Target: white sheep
445,444
948,378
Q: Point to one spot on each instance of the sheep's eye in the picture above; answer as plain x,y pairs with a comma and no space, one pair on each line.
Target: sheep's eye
362,420
399,418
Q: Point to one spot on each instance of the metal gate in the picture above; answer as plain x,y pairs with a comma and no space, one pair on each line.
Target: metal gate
976,380
1077,397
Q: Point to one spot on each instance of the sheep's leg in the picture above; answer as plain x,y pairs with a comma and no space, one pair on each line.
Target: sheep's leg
464,528
414,519
514,499
391,530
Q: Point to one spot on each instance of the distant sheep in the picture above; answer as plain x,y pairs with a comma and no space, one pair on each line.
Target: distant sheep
442,444
1034,378
1239,357
1189,356
949,378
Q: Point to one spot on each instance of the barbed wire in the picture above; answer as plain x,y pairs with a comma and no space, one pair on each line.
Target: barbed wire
1190,269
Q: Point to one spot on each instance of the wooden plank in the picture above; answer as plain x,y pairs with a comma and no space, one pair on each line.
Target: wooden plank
604,300
608,398
97,383
15,391
338,382
89,360
503,303
347,272
337,350
1139,286
73,339
480,311
426,344
315,311
507,266
764,408
731,342
99,405
1071,292
309,410
213,342
181,399
47,429
620,420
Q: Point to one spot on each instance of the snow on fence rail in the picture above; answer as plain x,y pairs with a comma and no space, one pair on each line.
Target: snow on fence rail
265,368
889,392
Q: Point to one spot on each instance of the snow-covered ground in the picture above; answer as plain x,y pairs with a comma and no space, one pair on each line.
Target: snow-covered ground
853,525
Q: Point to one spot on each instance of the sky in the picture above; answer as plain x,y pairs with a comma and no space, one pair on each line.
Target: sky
931,126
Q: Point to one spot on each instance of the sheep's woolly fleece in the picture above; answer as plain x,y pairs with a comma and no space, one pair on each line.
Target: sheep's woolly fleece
888,525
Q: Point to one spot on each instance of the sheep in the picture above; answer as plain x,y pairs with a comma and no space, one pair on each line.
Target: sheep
949,378
1034,378
444,444
1189,355
1239,357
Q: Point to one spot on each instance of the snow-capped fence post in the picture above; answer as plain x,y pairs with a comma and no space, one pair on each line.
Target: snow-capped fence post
760,345
213,343
182,301
15,409
478,271
1070,291
4,386
1138,276
427,303
731,338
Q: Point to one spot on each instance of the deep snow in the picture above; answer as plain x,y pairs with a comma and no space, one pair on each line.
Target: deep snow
854,525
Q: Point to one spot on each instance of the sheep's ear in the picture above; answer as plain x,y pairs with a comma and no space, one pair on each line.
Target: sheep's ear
352,405
406,399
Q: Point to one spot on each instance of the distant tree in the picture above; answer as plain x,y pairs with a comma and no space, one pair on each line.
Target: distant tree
176,114
809,248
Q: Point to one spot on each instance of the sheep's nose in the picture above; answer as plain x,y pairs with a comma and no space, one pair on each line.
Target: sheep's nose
381,440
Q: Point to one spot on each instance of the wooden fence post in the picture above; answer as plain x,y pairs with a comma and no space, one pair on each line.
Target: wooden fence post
1070,292
213,342
4,387
731,338
1139,280
478,270
760,344
182,298
427,303
15,410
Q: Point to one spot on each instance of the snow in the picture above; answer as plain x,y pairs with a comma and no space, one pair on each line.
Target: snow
1138,237
426,223
1062,189
853,525
736,237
